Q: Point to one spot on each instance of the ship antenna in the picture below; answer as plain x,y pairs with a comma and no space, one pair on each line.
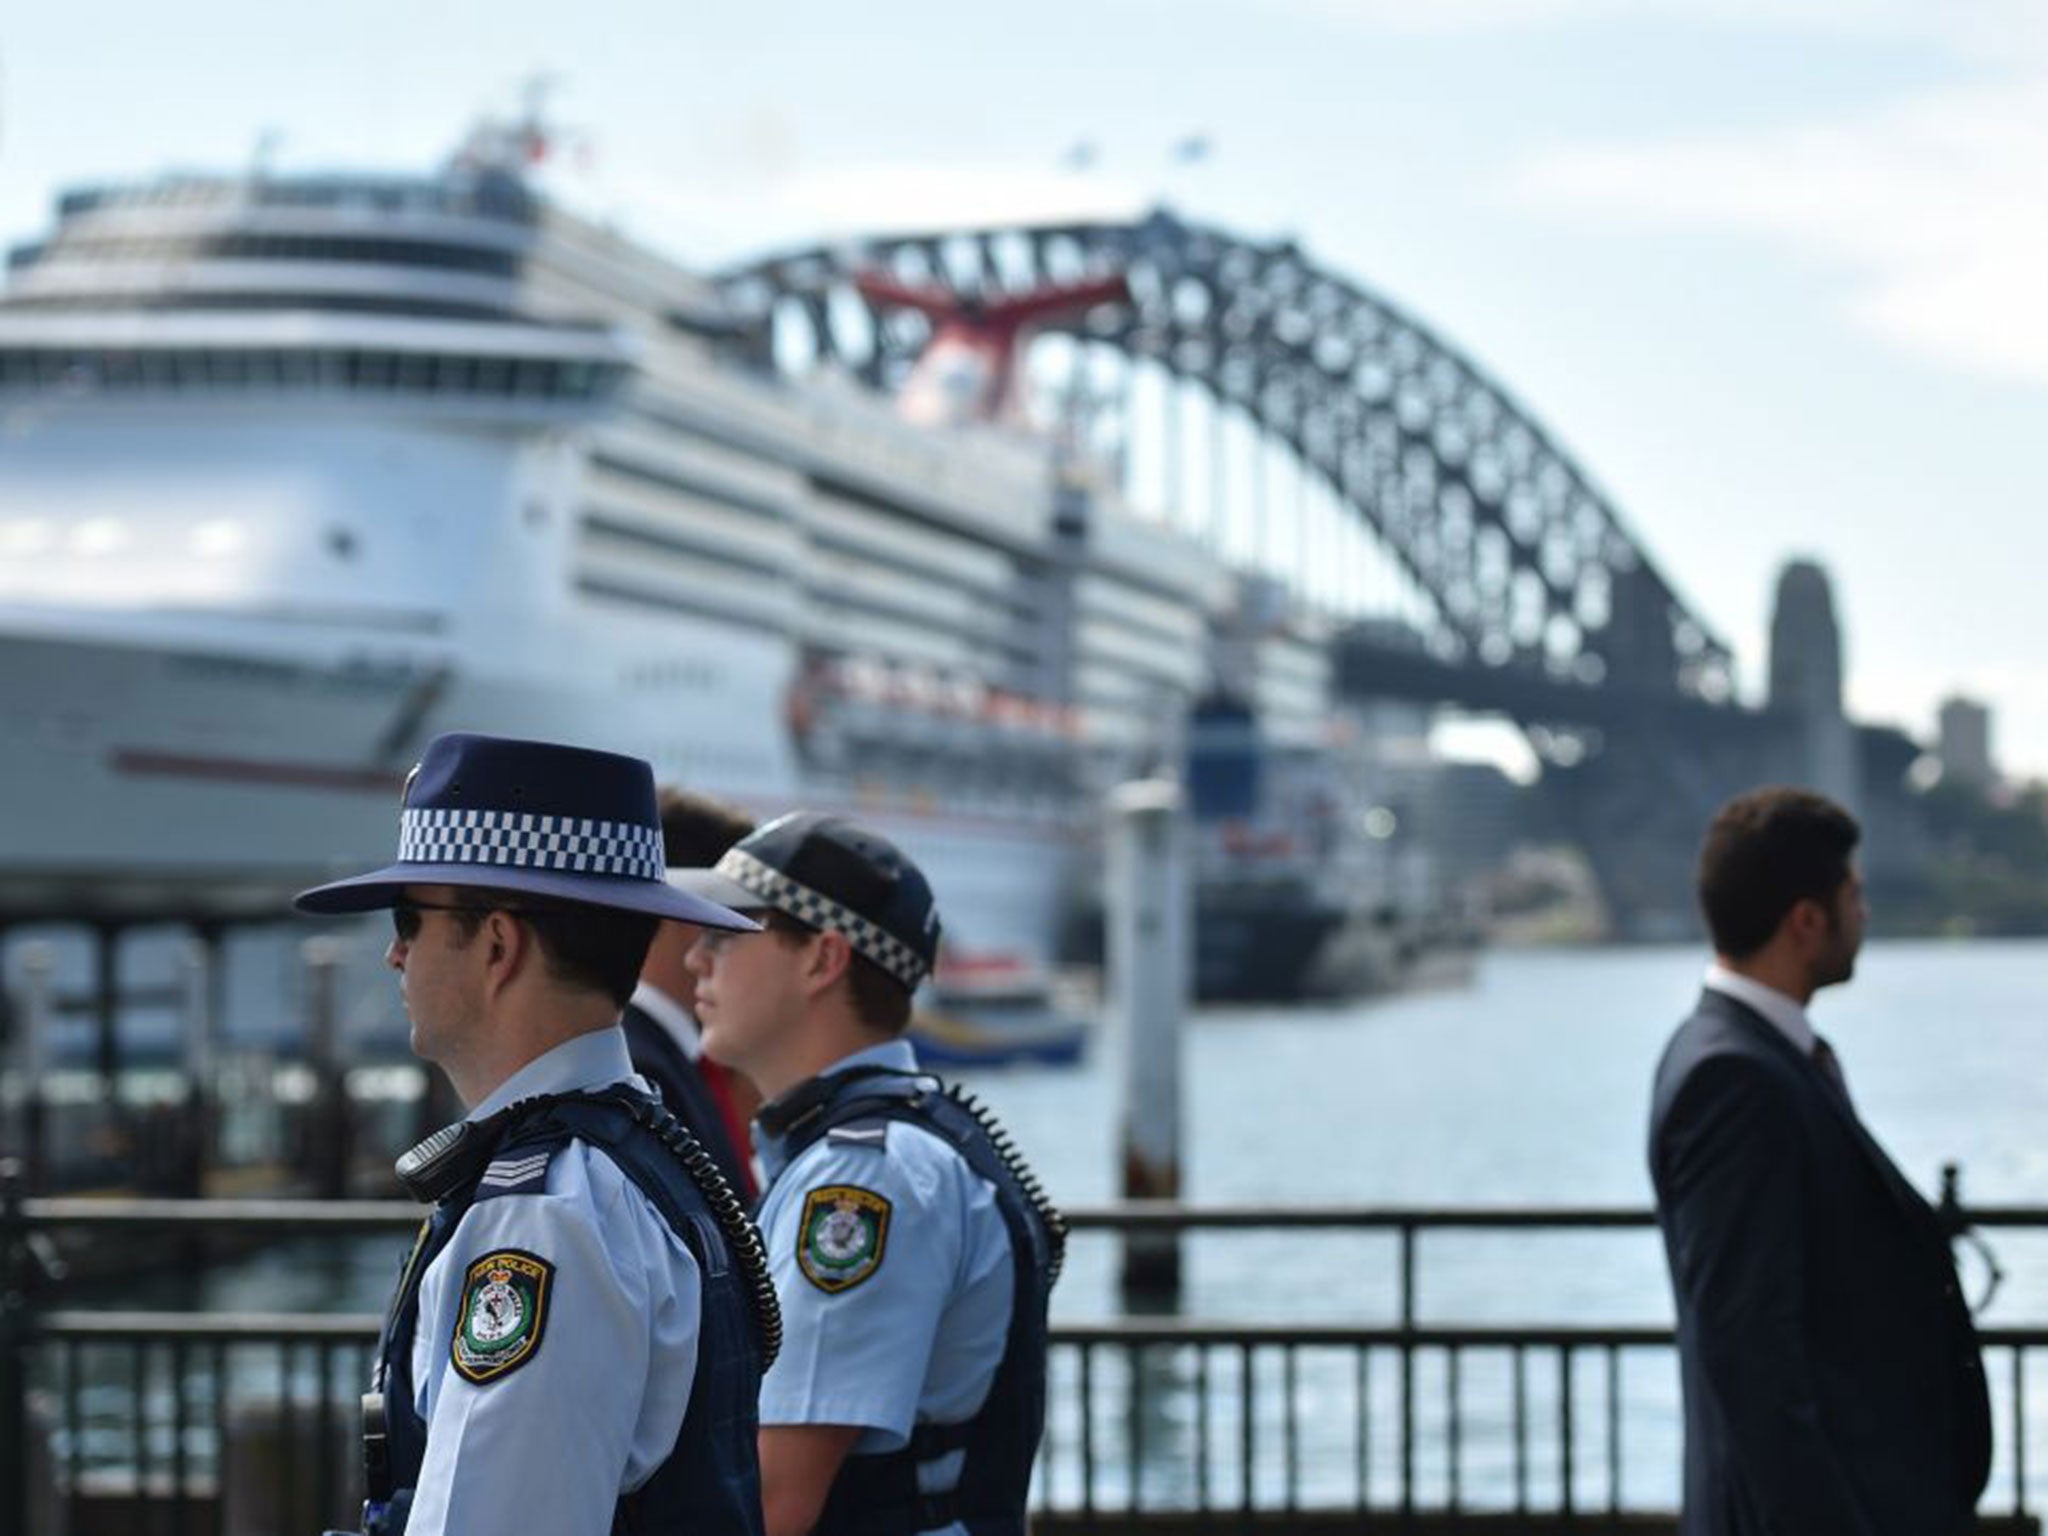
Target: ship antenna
534,135
515,146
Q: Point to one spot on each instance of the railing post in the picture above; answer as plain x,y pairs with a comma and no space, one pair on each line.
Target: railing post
15,1331
1950,1210
1407,1375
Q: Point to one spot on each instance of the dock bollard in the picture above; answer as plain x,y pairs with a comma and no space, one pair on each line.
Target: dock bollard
1149,922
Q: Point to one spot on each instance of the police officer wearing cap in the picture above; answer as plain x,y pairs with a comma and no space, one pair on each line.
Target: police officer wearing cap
912,1250
578,1334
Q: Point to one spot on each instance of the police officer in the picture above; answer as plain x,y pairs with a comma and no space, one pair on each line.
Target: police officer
578,1334
661,1021
912,1250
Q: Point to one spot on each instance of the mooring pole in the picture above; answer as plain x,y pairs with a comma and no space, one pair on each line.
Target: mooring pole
327,1115
116,1128
205,991
32,1020
1149,924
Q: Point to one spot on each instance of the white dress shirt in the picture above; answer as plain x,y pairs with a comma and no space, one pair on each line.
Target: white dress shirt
1785,1014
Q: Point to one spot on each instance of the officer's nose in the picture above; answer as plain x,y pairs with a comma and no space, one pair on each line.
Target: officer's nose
394,954
699,957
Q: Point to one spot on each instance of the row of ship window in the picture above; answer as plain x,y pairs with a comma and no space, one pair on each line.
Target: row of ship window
495,197
259,368
1019,602
398,253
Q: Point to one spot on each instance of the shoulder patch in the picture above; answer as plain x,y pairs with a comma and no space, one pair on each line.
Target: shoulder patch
504,1310
843,1234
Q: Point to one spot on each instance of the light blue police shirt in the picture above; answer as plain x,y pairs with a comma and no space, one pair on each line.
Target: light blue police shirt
550,1445
919,1337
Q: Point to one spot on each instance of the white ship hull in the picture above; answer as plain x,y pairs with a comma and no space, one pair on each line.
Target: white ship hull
155,781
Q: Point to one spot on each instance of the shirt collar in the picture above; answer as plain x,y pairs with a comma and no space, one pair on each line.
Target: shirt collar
592,1060
1783,1013
897,1055
671,1015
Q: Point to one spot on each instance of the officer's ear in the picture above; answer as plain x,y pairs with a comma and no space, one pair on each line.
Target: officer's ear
829,957
509,947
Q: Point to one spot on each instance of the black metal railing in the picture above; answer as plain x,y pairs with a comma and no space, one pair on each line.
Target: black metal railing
186,1422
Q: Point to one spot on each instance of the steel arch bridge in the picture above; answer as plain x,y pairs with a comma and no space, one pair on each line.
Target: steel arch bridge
1538,601
1528,569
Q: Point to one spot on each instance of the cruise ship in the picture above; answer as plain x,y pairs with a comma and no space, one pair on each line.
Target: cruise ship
299,470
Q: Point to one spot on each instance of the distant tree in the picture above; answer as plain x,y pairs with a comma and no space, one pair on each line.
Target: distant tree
1965,822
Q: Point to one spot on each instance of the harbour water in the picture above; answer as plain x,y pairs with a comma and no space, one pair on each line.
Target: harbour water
1530,1087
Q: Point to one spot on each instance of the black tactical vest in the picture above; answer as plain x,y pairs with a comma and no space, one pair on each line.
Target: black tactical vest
711,1481
877,1495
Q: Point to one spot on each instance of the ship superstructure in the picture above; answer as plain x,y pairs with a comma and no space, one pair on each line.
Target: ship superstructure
297,470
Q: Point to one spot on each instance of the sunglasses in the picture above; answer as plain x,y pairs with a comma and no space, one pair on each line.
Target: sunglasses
406,914
717,941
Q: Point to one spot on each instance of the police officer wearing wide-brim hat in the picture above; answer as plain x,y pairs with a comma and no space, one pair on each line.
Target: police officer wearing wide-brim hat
578,1336
912,1250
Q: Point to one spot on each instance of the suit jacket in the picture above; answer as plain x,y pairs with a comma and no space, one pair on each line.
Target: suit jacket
658,1057
1833,1385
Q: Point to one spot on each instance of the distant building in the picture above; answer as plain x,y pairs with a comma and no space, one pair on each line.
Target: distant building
1806,678
1965,748
1806,642
1474,816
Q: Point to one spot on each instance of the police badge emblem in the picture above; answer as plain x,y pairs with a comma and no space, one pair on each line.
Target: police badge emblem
504,1307
841,1236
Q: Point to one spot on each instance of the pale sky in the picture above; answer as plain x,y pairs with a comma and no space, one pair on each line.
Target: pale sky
1772,269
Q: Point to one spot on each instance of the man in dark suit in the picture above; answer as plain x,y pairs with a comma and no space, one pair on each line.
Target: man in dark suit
1832,1378
661,1022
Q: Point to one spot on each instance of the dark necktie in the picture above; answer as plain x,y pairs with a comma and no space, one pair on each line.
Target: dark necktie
1830,1065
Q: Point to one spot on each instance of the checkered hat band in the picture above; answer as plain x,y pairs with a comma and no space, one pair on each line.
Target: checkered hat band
522,840
821,911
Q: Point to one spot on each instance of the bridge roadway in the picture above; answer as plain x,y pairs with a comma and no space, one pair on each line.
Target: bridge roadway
1371,669
1634,773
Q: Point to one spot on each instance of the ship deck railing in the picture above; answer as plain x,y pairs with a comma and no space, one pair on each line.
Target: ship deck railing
245,1422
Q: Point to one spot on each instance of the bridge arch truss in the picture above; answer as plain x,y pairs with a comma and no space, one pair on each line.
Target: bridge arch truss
1521,561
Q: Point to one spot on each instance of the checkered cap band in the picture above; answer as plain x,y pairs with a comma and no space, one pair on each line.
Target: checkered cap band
821,911
522,840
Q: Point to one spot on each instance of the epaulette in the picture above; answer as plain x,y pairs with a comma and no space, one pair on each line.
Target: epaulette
869,1133
518,1172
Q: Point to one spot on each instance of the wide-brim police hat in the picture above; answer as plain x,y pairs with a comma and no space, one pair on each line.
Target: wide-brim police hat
828,872
553,821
